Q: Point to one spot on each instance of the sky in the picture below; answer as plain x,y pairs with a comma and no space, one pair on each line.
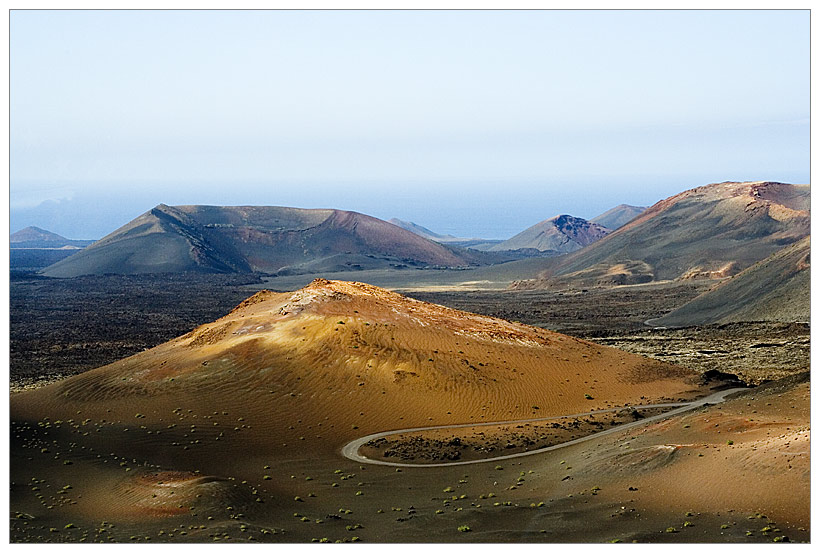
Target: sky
471,123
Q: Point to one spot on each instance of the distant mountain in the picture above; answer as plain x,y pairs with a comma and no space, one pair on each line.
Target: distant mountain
422,231
618,216
480,244
775,289
560,234
37,238
707,232
255,239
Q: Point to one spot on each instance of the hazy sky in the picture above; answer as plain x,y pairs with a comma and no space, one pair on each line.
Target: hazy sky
470,123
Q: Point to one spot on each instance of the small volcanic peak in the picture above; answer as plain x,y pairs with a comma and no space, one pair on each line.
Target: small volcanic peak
31,234
384,306
579,230
318,291
35,237
357,303
618,216
347,288
560,234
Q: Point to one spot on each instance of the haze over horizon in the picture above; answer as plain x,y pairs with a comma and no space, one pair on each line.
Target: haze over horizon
470,123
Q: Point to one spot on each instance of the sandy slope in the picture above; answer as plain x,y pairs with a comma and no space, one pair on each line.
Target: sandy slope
341,349
233,430
750,454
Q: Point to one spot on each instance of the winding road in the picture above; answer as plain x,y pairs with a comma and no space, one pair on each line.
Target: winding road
351,450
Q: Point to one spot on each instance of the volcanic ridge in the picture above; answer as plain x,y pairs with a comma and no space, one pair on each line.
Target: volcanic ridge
713,231
220,239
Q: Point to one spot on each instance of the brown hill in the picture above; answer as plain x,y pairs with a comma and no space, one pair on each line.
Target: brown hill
560,234
712,231
336,345
254,239
775,289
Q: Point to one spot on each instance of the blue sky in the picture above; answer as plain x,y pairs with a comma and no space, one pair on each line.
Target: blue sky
469,123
